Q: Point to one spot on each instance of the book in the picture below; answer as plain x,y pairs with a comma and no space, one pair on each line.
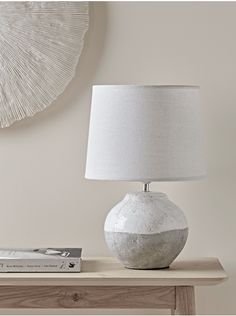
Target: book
40,260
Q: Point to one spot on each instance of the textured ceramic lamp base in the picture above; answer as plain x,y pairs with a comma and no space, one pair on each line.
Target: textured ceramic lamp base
146,230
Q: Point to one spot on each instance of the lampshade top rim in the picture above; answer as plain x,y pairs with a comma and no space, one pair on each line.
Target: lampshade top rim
147,86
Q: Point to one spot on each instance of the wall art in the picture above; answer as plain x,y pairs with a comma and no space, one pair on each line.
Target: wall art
40,45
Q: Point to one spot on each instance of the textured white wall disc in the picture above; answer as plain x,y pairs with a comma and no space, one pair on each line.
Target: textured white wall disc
40,45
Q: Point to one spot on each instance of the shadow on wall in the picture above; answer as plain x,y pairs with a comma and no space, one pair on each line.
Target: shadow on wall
85,71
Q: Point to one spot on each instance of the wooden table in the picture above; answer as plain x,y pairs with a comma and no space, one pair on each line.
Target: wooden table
104,283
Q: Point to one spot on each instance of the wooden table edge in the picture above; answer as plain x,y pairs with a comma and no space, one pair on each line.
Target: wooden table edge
112,282
106,277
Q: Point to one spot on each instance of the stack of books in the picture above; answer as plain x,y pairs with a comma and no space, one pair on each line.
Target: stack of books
41,260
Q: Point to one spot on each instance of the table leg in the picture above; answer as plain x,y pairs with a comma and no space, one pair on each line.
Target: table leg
185,300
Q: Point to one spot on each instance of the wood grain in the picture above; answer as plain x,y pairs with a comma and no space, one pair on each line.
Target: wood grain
109,272
185,300
86,297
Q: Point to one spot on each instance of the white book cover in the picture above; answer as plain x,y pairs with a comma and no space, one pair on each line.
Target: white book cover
40,260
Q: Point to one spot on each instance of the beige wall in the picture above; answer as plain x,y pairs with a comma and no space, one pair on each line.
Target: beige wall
44,197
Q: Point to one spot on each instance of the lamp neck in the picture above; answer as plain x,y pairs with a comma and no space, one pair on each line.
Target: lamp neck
146,187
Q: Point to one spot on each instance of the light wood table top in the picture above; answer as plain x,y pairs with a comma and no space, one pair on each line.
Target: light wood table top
107,271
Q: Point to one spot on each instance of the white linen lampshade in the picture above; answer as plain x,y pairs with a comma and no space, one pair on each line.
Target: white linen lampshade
145,133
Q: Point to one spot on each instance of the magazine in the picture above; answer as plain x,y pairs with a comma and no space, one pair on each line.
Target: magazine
40,260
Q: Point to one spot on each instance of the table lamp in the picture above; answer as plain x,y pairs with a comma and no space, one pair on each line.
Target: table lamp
145,134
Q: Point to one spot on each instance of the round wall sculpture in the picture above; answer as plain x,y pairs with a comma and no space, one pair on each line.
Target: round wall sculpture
40,45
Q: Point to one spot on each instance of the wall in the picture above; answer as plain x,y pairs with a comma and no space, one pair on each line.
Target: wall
45,199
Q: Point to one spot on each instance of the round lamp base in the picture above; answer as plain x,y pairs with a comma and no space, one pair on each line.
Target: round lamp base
146,230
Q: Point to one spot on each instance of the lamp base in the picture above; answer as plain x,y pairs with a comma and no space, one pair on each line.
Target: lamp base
146,230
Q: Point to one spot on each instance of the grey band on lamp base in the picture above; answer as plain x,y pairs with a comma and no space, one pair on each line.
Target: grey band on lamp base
146,230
